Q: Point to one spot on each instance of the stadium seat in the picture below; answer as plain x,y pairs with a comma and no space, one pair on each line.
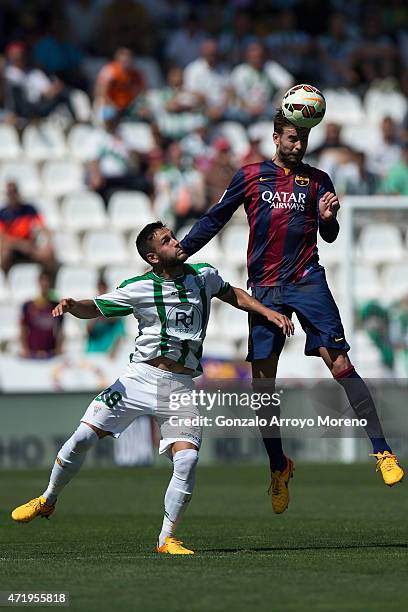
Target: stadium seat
25,174
43,141
78,282
230,273
23,281
331,252
67,247
395,281
62,177
365,136
80,141
82,105
82,211
9,143
128,210
379,104
102,248
50,210
139,135
235,243
211,253
114,275
233,322
381,242
9,322
219,349
236,135
343,106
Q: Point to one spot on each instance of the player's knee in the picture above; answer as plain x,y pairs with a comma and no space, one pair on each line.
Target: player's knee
184,462
340,366
83,438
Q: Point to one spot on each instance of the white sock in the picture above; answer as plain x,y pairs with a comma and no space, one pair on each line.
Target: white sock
69,460
179,491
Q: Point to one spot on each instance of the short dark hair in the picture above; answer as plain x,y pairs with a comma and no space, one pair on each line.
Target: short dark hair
145,237
280,122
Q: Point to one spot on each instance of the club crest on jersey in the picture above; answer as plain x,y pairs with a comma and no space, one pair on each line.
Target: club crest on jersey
302,181
199,281
184,321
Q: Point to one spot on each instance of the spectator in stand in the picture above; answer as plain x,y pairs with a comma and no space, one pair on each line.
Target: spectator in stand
125,23
209,79
388,150
184,45
220,171
105,335
336,52
255,84
113,163
396,180
353,177
23,234
254,154
57,55
332,140
29,93
332,154
179,190
288,45
119,84
176,111
235,41
41,334
83,18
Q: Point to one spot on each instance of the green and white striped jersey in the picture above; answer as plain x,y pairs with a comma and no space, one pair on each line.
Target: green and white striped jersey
172,314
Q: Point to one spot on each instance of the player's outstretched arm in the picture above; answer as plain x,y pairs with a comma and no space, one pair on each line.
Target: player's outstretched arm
242,300
82,309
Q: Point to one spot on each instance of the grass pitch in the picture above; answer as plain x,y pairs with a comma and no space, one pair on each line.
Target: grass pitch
342,545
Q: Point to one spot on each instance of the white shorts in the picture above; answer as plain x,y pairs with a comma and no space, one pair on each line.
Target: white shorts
144,389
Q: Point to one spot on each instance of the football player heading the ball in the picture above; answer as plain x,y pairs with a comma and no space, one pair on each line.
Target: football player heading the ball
172,304
287,202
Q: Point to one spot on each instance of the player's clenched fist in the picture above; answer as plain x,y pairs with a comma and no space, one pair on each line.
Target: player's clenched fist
65,305
282,321
328,206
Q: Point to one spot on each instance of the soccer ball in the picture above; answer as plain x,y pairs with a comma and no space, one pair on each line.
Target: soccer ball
304,106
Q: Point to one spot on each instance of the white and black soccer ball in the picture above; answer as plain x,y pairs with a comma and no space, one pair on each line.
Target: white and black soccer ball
304,105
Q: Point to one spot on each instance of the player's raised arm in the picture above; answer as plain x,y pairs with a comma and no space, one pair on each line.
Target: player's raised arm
82,309
212,222
243,301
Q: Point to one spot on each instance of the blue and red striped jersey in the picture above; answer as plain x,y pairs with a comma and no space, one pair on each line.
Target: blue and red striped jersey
282,207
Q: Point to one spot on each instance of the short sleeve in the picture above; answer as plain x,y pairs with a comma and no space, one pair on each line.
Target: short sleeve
116,303
218,287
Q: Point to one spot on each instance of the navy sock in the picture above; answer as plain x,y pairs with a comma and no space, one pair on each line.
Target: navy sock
277,459
363,405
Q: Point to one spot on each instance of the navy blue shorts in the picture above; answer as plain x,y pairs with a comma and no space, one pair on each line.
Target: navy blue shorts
315,308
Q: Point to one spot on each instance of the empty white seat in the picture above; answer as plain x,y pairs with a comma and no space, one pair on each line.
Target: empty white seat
102,248
9,143
341,103
331,252
9,322
130,209
82,105
50,210
62,177
4,291
67,247
80,141
230,274
114,275
139,135
395,281
78,282
235,243
379,104
43,141
211,253
365,136
222,348
83,210
233,322
23,281
236,135
24,173
381,242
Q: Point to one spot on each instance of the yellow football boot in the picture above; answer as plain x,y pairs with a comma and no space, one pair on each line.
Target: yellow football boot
36,507
279,487
391,470
172,546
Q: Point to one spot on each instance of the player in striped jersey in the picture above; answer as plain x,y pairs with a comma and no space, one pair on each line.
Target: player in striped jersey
172,305
287,203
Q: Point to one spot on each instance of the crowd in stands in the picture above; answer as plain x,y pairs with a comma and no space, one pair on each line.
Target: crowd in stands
173,96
